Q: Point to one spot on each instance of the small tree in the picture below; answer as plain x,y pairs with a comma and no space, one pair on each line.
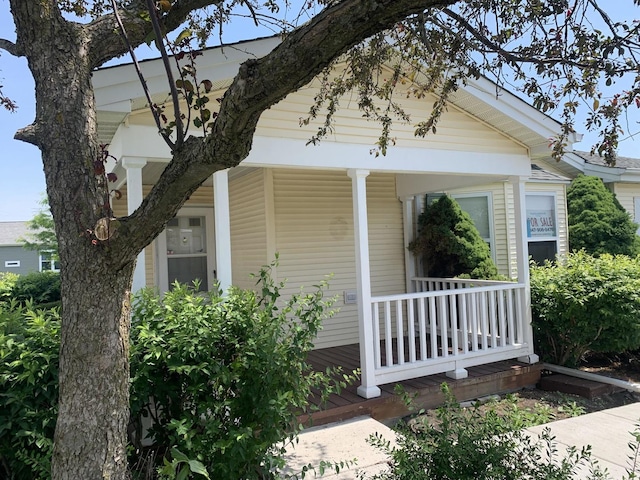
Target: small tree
450,244
43,234
597,222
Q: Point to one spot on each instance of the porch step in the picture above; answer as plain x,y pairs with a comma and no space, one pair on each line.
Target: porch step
576,386
497,378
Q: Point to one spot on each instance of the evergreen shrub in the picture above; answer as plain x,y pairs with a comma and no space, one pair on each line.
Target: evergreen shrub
598,223
449,243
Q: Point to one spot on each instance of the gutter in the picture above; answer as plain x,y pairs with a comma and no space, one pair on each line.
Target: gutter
594,377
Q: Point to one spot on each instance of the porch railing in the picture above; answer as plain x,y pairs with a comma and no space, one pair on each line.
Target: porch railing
449,324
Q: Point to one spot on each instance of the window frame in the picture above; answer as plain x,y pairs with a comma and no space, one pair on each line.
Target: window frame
492,234
555,238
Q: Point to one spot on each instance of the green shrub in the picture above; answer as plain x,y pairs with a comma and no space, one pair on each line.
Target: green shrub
597,222
29,343
224,378
583,303
468,444
7,283
449,243
41,288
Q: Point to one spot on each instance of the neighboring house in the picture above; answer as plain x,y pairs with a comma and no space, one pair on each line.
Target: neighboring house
623,179
13,256
336,209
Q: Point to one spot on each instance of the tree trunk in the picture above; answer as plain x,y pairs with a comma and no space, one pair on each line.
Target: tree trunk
90,437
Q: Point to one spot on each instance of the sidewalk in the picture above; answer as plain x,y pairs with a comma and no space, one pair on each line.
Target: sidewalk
606,431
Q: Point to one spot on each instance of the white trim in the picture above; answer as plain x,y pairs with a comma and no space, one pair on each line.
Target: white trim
556,237
133,167
11,263
409,235
368,388
162,271
222,220
51,260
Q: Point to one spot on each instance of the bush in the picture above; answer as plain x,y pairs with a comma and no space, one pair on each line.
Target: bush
583,303
467,444
597,222
29,343
41,288
449,243
224,379
7,283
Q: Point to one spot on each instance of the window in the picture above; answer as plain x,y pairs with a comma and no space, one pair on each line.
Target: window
542,233
11,263
49,262
479,206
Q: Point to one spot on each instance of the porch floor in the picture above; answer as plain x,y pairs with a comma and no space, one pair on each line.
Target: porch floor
492,378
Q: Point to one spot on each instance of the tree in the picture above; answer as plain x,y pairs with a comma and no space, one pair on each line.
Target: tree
597,222
450,244
557,51
43,238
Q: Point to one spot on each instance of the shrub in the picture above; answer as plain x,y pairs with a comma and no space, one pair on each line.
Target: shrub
450,244
29,343
597,222
467,444
583,303
224,378
41,288
7,283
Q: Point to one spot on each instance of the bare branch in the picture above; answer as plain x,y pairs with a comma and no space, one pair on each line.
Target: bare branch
11,48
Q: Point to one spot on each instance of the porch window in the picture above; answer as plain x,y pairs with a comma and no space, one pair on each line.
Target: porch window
542,233
49,262
479,206
187,250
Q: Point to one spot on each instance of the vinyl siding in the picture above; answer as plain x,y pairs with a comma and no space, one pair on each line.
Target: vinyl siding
456,130
626,192
248,227
315,238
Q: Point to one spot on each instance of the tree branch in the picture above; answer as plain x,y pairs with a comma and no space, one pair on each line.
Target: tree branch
11,48
259,84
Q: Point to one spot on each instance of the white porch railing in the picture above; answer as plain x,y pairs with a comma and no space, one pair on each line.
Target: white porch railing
450,324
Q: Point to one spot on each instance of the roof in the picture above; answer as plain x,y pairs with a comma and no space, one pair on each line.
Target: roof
10,232
539,174
118,94
621,162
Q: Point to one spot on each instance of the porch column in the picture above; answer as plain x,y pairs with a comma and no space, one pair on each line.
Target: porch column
368,388
133,167
522,261
409,235
222,221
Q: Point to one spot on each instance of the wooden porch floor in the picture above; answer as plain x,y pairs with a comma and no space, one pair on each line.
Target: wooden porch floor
493,378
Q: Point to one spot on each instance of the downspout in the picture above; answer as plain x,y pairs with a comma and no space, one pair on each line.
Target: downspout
630,386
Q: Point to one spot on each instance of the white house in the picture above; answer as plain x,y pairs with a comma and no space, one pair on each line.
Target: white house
336,209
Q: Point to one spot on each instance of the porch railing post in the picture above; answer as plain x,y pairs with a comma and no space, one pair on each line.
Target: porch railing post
409,259
522,258
368,388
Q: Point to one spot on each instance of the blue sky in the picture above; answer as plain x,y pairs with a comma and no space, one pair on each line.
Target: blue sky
22,183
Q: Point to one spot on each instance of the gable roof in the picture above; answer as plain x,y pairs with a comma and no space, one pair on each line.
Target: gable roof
10,232
626,169
118,93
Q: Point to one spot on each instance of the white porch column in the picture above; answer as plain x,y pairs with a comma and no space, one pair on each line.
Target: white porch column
409,235
368,388
222,220
522,260
133,167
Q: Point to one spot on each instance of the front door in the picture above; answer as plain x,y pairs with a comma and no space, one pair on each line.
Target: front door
186,250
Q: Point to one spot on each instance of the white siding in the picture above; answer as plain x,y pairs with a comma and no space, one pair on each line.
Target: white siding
626,192
314,236
248,228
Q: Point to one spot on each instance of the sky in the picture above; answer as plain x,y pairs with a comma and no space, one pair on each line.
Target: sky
22,184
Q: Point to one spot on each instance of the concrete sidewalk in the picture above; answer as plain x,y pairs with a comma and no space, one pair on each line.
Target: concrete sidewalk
606,431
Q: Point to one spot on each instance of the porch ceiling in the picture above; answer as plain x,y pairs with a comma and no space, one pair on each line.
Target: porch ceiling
416,184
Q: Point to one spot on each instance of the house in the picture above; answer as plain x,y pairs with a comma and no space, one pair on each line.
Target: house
14,257
336,209
623,178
